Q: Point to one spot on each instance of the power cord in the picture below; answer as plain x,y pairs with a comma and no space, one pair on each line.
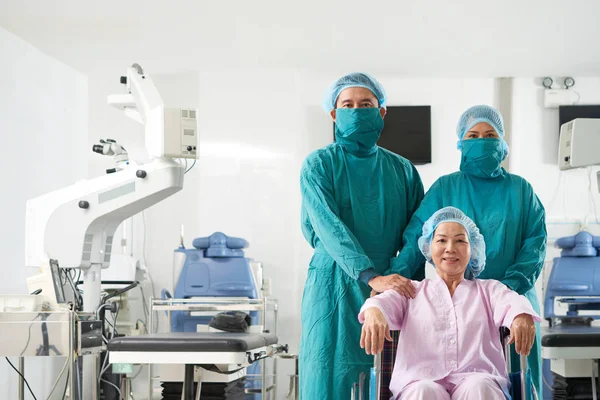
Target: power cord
145,306
190,168
21,375
115,386
76,292
29,335
62,371
66,385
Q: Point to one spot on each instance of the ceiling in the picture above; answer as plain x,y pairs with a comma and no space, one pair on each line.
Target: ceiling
433,38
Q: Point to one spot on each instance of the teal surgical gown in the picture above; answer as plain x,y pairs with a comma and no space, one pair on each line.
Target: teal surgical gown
512,220
354,211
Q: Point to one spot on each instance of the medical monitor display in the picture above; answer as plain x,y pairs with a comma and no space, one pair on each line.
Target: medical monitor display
569,113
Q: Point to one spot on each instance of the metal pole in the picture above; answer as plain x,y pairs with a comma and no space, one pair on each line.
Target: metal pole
275,358
524,377
22,381
353,392
361,386
595,393
170,320
263,385
188,382
376,377
199,384
72,394
72,379
95,362
92,287
150,330
296,382
125,387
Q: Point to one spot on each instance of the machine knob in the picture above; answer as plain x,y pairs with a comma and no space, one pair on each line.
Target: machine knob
84,204
189,148
140,173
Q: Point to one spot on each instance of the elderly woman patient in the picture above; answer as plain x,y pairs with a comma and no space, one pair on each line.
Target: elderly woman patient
450,346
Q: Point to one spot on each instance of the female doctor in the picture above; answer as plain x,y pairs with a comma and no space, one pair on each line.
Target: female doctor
503,206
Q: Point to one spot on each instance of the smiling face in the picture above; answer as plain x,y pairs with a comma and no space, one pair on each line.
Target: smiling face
450,250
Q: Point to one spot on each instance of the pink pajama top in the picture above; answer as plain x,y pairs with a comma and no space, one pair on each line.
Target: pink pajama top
447,337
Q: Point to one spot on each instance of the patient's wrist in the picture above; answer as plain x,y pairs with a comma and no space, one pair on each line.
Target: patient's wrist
372,311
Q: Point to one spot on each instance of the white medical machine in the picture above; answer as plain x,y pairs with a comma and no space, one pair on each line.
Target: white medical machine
74,227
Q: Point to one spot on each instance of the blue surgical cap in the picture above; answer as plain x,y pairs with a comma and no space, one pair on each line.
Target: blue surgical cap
477,114
355,79
452,214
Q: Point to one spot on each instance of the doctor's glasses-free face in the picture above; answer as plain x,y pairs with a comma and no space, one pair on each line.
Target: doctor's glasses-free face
482,130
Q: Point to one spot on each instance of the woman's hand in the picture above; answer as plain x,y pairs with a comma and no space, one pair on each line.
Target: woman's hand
522,333
396,282
374,331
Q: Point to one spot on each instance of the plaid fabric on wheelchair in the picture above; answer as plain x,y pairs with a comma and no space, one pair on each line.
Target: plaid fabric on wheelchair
388,358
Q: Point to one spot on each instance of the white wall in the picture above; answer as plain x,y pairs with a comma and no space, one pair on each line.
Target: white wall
245,183
43,123
570,197
534,150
